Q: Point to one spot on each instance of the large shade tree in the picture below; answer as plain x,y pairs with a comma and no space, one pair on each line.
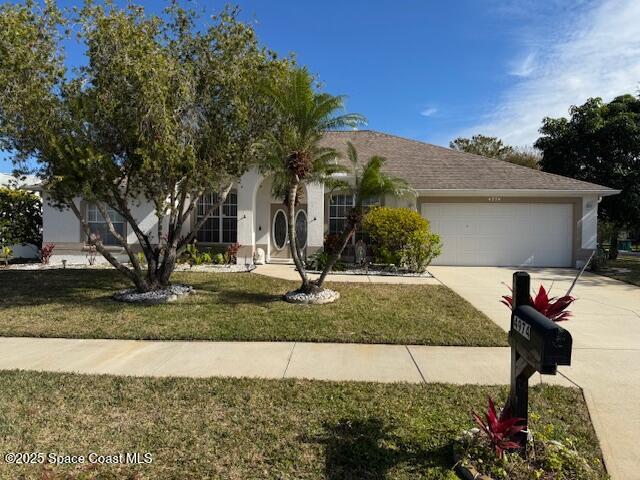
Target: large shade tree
599,143
368,182
292,153
495,148
162,112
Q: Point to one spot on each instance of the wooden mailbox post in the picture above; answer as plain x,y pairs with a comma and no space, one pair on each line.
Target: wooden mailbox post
538,344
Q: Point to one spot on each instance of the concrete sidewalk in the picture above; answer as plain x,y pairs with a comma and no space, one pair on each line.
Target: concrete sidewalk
320,361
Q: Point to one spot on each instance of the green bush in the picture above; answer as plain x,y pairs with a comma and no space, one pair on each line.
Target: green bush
599,260
5,254
401,237
20,217
422,247
319,260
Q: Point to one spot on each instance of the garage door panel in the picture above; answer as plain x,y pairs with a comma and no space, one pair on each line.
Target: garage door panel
502,234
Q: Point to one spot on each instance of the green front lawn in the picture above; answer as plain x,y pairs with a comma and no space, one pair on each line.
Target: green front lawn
237,306
258,429
623,262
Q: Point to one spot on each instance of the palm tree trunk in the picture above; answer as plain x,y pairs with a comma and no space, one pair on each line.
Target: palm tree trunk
349,230
293,241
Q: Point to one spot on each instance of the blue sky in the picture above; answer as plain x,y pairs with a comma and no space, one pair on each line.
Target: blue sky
433,70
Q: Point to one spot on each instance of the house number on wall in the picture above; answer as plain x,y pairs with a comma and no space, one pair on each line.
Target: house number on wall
494,199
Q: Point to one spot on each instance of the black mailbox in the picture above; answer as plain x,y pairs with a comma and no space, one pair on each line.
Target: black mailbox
539,340
537,344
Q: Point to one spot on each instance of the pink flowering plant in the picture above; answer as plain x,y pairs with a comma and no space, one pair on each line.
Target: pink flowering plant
553,308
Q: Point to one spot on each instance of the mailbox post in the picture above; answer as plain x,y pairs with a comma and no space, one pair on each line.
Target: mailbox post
537,345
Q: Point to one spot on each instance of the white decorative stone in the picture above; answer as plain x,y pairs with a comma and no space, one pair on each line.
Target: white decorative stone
231,268
259,257
316,298
164,295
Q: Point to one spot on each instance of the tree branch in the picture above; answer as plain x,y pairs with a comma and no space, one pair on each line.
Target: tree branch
123,241
94,240
143,239
222,197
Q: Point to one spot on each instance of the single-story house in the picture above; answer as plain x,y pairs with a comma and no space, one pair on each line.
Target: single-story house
487,211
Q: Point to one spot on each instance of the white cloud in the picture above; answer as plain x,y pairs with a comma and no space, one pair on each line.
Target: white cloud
429,111
599,57
524,67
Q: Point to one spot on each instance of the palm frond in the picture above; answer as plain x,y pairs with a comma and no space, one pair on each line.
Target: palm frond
374,182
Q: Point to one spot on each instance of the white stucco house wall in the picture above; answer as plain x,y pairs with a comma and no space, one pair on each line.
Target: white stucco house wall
487,211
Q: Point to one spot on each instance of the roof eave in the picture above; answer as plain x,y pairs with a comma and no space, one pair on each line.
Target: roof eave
513,192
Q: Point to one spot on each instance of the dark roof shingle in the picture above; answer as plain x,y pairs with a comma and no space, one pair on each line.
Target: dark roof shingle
431,167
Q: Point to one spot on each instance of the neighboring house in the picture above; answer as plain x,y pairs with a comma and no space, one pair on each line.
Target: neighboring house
20,251
487,211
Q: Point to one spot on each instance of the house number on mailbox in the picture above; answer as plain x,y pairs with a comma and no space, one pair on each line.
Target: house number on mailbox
522,327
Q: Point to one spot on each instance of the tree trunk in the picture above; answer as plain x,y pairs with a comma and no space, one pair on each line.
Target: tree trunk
350,230
293,240
168,265
613,249
138,280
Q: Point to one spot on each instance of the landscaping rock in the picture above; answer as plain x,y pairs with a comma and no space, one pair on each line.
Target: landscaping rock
316,298
230,268
169,294
377,273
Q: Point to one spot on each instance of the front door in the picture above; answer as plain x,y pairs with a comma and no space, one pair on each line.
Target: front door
279,238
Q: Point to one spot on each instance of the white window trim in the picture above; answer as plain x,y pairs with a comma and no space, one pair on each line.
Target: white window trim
352,240
220,217
273,230
102,220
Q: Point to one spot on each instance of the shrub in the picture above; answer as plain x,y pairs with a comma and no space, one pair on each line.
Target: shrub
20,217
218,258
599,260
231,254
500,430
421,248
92,253
401,237
6,254
319,260
193,256
551,307
550,456
46,251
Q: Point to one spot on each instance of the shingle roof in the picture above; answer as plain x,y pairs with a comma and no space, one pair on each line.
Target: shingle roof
431,167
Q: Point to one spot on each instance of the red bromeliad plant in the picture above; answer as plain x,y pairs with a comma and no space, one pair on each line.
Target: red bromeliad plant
500,430
553,308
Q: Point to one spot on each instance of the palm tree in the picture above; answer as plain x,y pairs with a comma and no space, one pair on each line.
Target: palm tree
293,154
369,183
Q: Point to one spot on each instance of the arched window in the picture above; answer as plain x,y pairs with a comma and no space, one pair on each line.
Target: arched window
221,226
280,235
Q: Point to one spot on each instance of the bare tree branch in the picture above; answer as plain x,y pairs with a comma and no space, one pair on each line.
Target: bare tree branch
123,241
222,197
94,240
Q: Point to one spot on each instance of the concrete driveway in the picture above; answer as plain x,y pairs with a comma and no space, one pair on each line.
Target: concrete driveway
606,356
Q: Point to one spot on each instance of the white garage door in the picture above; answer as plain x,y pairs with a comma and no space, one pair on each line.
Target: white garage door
502,234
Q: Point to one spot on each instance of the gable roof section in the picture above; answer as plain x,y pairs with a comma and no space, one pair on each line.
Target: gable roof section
431,167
